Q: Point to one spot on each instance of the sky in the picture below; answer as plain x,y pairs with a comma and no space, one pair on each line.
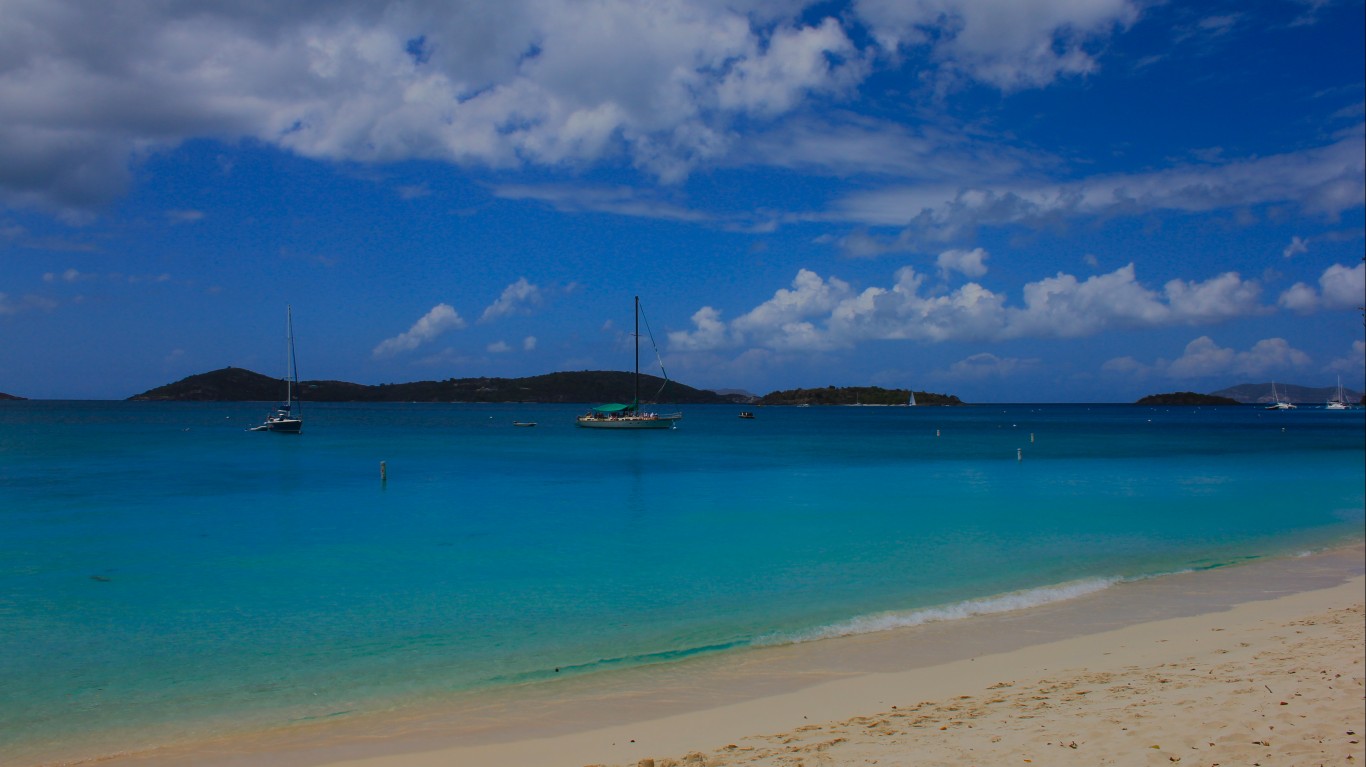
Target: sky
1044,201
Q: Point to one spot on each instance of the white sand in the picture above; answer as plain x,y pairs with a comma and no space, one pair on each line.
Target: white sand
1255,665
1273,683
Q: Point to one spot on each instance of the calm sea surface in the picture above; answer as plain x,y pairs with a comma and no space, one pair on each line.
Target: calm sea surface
166,575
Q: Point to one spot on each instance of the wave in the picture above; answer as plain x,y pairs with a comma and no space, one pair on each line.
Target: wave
1001,603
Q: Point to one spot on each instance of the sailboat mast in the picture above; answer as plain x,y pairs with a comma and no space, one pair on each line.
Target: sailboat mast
636,401
290,365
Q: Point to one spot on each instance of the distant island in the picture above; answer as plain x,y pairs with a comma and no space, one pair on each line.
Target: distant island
8,396
855,395
1186,398
241,385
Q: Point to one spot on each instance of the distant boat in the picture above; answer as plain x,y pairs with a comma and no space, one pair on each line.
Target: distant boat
911,402
523,423
629,416
1277,403
288,418
1339,399
746,414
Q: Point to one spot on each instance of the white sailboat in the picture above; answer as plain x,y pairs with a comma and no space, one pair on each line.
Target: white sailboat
629,416
911,401
1339,400
1277,402
288,417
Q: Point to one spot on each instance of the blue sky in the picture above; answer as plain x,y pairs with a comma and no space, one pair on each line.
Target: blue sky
1059,200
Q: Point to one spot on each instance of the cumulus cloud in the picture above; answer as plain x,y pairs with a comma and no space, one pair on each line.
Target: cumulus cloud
818,314
1353,362
529,343
88,90
970,263
1203,358
440,319
1340,287
548,82
516,298
1297,246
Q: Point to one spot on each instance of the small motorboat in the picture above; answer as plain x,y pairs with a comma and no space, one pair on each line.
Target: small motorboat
523,423
746,414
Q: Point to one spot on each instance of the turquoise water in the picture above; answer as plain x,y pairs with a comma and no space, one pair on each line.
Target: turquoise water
166,575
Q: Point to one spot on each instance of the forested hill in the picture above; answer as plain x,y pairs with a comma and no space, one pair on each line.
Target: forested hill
855,395
1186,398
8,396
238,385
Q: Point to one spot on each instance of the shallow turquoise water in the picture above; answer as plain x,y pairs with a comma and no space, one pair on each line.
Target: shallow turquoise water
164,572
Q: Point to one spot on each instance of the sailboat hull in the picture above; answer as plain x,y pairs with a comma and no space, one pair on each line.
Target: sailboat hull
285,426
630,422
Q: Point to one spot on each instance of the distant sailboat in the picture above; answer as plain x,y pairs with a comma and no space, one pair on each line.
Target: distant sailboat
911,401
1277,403
1339,400
630,416
288,418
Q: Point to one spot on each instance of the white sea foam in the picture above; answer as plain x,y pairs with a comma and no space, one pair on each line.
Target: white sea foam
1001,603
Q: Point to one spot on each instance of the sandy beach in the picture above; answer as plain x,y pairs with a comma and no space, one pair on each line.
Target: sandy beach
1253,665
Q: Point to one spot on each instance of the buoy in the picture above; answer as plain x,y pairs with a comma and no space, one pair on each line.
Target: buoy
936,432
383,472
1019,454
1031,437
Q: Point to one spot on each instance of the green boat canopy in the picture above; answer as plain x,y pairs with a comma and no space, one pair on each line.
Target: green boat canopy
615,407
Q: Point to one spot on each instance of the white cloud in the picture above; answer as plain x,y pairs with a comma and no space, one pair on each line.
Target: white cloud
984,365
1340,287
69,275
1008,44
498,347
1324,181
970,263
660,85
185,216
529,343
10,305
818,314
1353,362
516,298
546,82
1203,358
1297,246
440,319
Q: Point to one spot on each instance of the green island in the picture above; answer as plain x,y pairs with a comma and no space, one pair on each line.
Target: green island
1186,398
239,385
232,384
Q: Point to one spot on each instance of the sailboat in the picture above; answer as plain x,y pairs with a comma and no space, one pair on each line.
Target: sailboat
911,401
623,416
288,417
1339,400
1277,402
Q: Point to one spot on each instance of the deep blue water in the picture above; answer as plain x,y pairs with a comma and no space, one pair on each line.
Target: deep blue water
164,572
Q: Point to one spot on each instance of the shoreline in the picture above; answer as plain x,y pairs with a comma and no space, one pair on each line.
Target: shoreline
708,703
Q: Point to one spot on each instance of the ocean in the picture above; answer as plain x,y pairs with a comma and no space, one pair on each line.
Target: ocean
167,576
